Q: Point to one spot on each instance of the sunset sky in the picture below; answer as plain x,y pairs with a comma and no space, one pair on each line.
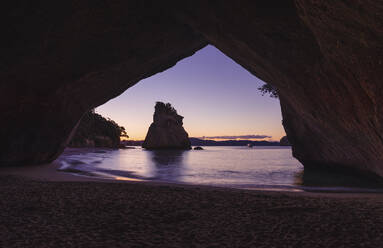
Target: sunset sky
216,96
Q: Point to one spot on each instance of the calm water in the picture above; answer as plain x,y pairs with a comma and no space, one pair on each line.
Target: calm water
270,168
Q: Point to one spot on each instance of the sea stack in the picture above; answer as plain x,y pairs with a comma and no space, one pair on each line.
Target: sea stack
166,131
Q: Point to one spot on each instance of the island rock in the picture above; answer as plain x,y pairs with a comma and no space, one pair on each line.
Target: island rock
198,148
284,141
166,131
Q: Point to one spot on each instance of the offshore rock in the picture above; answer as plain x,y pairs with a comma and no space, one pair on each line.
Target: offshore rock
284,141
166,131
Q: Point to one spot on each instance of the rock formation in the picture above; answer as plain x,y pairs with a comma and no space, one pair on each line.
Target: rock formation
59,60
96,131
284,141
166,131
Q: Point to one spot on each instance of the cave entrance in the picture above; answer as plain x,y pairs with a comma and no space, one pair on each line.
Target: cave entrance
217,97
221,103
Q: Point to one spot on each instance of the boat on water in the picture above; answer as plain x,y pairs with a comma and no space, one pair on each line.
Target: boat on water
250,145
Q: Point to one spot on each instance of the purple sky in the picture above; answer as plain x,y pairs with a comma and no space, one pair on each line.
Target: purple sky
216,96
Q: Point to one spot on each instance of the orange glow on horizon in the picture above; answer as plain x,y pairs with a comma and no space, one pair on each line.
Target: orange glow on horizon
273,138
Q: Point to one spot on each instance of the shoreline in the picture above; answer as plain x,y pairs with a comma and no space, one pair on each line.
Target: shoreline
88,213
43,207
50,173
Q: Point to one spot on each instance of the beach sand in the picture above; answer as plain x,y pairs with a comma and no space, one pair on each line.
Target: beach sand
41,207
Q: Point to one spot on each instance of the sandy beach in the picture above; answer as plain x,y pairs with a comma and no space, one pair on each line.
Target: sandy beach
42,207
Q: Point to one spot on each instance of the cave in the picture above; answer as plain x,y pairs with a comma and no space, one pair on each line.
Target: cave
59,60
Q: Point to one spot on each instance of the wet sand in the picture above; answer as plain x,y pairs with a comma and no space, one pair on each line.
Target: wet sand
41,207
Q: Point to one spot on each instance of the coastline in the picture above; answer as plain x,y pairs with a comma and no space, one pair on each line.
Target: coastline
50,173
48,209
44,207
61,170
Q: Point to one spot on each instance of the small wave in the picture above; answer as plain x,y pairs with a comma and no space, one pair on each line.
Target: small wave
75,162
68,167
64,165
305,188
99,151
229,171
96,162
121,173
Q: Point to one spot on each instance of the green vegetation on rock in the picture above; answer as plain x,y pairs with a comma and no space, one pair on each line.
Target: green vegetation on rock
165,107
268,89
96,131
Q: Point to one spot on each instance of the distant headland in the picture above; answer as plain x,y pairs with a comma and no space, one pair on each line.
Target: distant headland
94,130
205,142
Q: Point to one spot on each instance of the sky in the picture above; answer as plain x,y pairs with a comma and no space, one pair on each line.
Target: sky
218,98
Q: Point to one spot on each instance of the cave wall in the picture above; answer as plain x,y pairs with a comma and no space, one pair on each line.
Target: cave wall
60,59
325,59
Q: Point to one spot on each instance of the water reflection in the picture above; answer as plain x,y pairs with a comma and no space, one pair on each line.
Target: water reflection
167,164
219,166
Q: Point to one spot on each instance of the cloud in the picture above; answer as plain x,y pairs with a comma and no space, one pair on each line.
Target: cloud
249,136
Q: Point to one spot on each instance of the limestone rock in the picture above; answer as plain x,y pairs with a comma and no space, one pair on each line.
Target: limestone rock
66,58
166,131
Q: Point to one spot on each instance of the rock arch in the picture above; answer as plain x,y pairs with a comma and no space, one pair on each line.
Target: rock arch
60,59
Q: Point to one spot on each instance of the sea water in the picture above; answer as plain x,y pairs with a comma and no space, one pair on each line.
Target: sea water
266,168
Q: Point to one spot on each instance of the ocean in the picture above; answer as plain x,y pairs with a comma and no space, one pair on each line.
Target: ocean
260,168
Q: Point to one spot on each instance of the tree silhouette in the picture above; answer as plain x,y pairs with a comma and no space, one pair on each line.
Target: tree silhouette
97,129
167,108
268,89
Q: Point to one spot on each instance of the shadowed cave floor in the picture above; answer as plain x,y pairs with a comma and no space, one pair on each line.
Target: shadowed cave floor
91,214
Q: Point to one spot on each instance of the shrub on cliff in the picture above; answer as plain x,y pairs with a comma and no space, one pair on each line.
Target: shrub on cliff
167,108
97,131
268,89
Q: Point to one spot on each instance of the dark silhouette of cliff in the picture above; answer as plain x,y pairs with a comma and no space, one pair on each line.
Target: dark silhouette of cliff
96,131
324,58
284,141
